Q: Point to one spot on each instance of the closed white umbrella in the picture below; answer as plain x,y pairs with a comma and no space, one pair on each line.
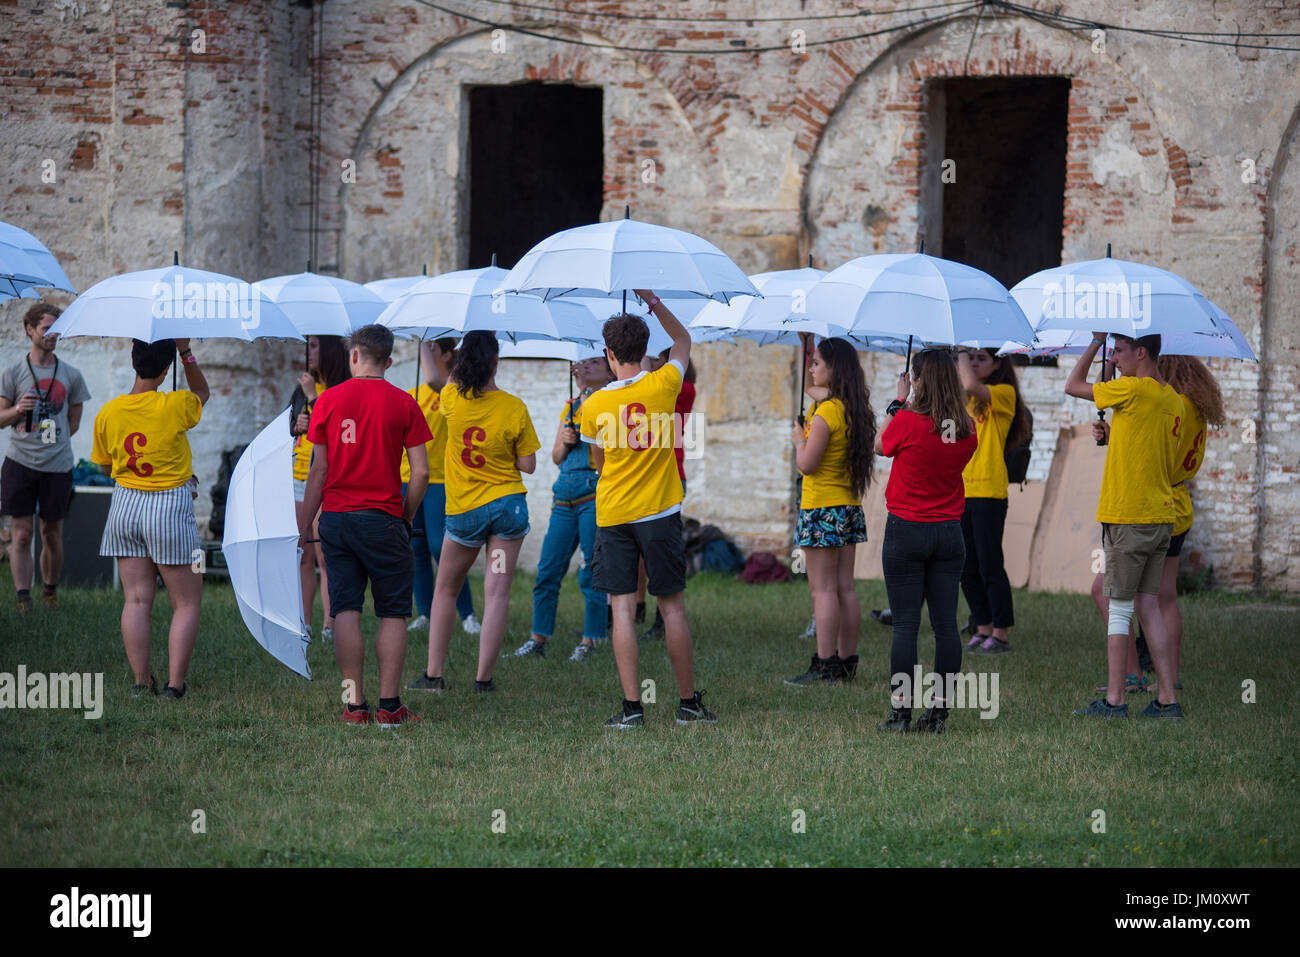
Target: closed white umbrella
607,260
322,305
174,303
261,546
25,263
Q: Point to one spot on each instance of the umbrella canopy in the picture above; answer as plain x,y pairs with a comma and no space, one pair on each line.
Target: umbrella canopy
322,305
26,263
611,259
390,289
602,309
914,296
261,546
778,316
1229,345
459,302
174,303
550,349
1118,296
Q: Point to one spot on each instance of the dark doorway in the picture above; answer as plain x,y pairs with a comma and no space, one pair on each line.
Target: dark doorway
1006,138
536,161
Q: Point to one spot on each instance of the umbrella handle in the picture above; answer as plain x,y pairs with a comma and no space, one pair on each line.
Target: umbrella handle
1101,414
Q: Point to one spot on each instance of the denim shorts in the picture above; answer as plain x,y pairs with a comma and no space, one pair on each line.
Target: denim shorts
505,517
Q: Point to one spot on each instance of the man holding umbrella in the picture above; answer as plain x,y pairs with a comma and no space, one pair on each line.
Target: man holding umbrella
629,425
41,398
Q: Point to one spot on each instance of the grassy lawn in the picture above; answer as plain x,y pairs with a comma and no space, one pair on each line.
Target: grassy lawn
282,782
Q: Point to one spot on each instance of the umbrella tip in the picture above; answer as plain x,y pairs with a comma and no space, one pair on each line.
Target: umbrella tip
1108,250
424,270
176,257
627,211
309,265
922,248
494,260
810,265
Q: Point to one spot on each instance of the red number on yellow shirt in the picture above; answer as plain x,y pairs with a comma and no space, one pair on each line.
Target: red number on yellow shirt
1178,420
143,469
638,438
1189,463
472,434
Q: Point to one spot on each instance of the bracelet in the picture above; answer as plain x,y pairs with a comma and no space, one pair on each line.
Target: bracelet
650,306
187,358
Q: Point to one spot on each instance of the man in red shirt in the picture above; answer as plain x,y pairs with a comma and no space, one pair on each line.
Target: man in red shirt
358,432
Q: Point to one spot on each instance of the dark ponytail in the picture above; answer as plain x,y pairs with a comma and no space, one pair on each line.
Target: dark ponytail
474,363
849,385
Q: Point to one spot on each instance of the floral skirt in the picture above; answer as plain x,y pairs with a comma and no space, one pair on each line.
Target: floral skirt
831,527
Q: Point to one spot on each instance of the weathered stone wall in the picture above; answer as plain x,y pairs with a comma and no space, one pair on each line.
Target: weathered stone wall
772,156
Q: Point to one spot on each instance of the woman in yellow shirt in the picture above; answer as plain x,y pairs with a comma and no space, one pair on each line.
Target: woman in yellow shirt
140,441
327,366
490,440
1001,422
834,452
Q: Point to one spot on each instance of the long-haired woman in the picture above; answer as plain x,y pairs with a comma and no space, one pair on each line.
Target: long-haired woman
1001,422
1202,411
834,453
490,441
327,366
930,442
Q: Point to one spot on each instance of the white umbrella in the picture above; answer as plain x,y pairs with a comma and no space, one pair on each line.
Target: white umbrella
610,259
1115,295
549,349
918,297
602,309
26,263
322,305
777,316
389,289
261,546
1229,345
470,299
174,303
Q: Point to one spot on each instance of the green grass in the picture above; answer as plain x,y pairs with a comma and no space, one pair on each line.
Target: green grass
283,782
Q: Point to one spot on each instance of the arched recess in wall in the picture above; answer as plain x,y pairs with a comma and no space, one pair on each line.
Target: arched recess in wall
1277,536
408,203
866,190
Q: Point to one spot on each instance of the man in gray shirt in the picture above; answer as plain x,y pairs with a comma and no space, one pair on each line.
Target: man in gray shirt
41,399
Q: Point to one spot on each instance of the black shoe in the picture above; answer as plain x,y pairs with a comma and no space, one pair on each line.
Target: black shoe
849,666
695,712
900,719
655,632
150,688
640,613
932,720
484,686
626,720
815,674
1101,708
1157,710
425,683
170,692
834,673
882,615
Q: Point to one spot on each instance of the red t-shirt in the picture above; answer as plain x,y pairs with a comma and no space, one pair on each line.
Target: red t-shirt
364,425
685,402
925,483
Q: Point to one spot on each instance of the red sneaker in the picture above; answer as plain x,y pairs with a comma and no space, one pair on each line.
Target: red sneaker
360,716
391,719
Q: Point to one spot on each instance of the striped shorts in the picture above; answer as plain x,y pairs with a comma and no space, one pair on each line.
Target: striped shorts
156,525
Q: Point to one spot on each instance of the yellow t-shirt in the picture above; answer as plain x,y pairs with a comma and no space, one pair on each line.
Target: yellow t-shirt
1191,452
428,399
831,484
985,475
1136,483
302,448
633,421
484,437
143,438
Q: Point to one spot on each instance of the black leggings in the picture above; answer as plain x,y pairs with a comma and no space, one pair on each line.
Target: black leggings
984,579
922,562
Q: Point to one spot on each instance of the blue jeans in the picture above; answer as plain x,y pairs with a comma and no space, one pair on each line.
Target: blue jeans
570,526
427,549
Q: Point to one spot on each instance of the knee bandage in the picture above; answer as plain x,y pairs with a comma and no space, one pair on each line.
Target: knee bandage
1121,616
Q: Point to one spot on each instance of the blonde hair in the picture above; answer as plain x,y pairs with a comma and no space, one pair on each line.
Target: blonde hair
1190,377
939,394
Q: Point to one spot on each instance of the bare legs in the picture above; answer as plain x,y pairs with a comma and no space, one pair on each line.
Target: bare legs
185,590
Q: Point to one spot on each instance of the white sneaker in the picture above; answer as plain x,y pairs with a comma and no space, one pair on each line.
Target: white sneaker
811,631
531,647
327,634
419,624
581,653
471,624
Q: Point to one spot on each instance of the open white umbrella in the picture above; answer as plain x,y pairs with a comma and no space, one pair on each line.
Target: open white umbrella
611,259
25,263
392,287
550,349
1118,296
603,308
918,297
322,305
261,546
174,303
1231,344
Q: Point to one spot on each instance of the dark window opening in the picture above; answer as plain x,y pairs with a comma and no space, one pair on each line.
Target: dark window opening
536,162
1006,140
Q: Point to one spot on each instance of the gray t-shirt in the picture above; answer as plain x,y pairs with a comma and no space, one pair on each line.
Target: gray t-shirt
47,448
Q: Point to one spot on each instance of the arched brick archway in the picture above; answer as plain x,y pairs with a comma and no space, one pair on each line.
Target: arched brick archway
408,204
